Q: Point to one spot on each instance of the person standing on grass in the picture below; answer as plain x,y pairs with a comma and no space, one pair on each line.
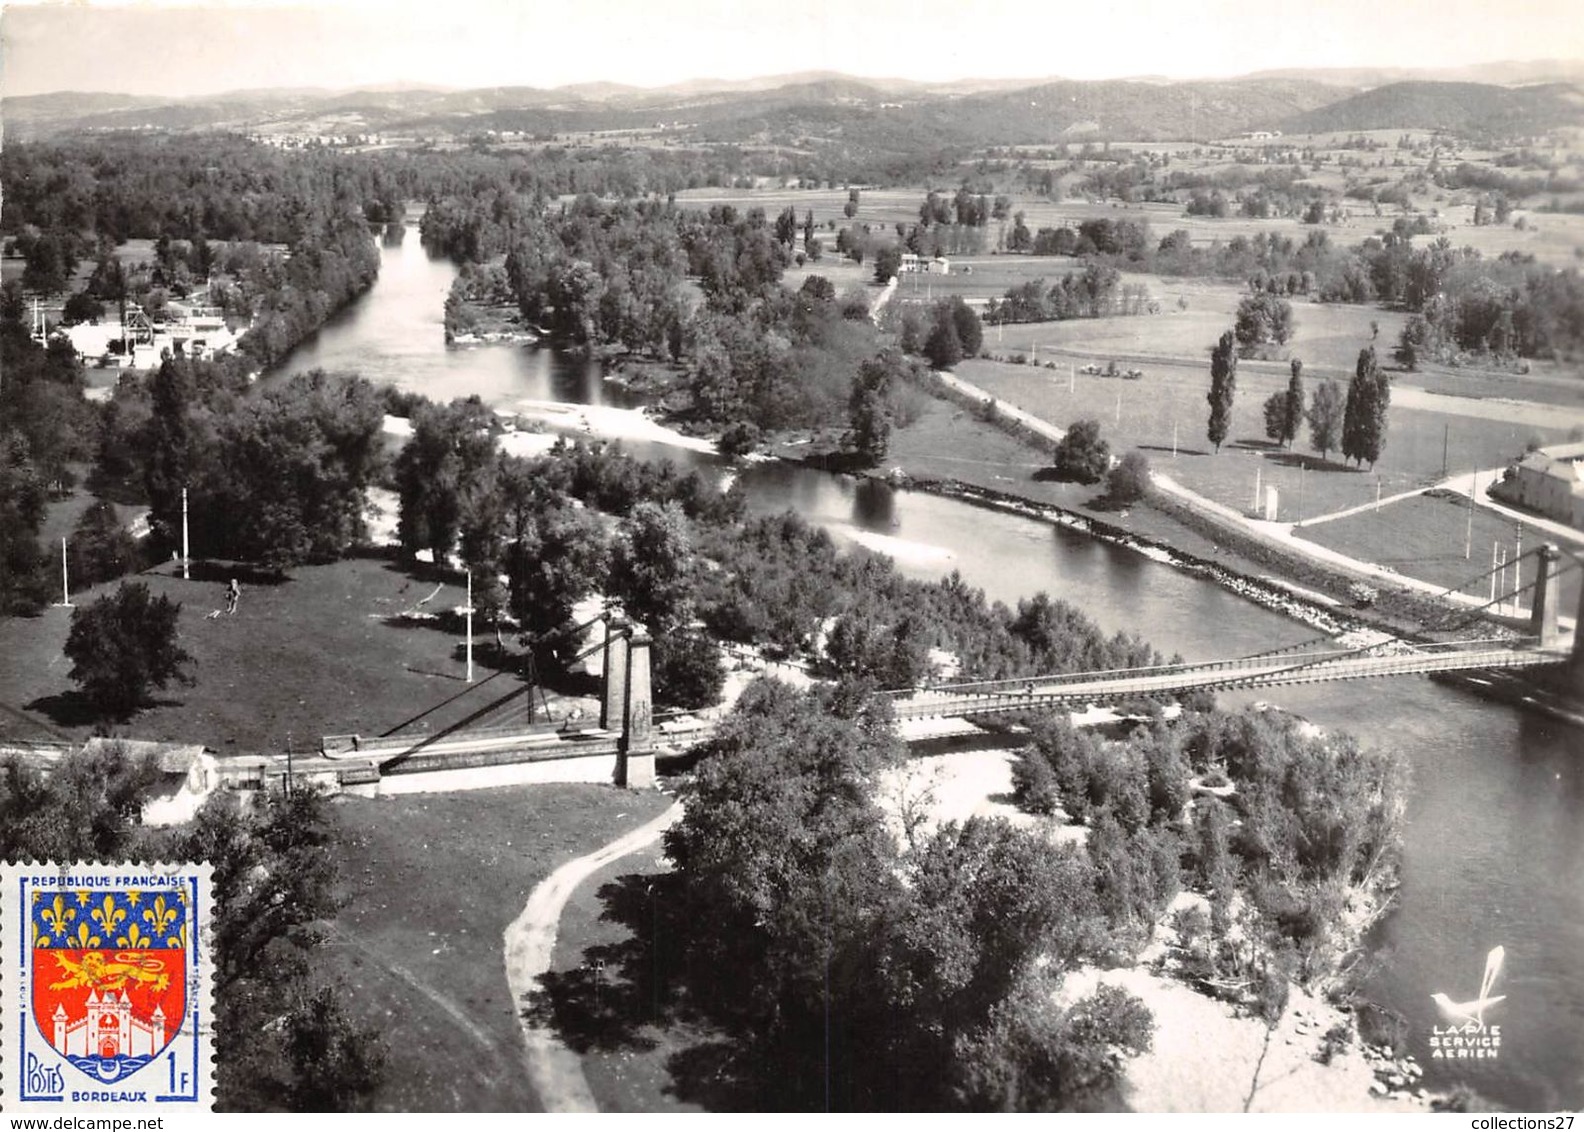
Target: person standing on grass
233,593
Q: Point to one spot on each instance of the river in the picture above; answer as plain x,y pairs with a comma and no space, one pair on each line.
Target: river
1494,851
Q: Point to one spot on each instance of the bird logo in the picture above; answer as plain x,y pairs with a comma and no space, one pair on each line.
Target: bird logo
1472,1012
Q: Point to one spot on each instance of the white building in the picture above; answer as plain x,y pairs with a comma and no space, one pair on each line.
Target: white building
1548,481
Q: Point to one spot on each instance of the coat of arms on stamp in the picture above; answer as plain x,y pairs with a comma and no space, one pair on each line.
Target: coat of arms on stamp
107,986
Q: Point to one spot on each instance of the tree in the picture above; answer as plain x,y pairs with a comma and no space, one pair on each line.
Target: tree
1262,319
449,451
653,569
82,307
1223,385
786,226
1129,481
1081,455
942,346
818,288
783,852
1031,1057
336,1065
101,547
552,553
887,262
292,466
1020,239
24,586
171,447
123,646
1325,417
1275,410
280,1042
1364,416
688,672
970,330
869,407
850,209
1295,402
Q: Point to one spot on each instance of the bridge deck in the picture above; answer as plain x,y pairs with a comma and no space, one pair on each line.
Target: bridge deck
1253,673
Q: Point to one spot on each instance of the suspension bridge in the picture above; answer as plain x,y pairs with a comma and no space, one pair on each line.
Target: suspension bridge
624,743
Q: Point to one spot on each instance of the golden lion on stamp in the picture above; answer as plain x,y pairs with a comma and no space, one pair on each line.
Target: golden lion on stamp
98,973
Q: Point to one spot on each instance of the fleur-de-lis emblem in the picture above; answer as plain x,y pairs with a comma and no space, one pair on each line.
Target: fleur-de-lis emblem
107,915
82,897
84,937
134,937
133,895
57,915
160,916
179,939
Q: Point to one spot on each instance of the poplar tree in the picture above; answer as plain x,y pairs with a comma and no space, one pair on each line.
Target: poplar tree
1223,384
1364,417
1295,401
1325,417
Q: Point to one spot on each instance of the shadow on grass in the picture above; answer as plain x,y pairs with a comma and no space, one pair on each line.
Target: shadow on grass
74,709
1179,451
618,989
622,994
247,574
1311,463
1249,444
1106,502
1051,475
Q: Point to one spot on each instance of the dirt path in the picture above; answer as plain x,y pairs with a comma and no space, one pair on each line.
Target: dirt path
555,1071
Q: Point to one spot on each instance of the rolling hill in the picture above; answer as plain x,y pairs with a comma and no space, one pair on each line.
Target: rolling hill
1457,107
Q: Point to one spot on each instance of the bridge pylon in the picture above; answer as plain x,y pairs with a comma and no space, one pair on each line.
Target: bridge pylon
1548,592
626,702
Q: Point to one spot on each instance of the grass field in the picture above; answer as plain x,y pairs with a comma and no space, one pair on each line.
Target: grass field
303,658
1174,394
428,885
1426,536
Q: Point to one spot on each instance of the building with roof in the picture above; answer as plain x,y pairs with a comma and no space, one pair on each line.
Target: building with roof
1548,482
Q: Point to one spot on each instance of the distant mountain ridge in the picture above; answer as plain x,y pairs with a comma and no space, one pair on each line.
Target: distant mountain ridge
819,105
1457,106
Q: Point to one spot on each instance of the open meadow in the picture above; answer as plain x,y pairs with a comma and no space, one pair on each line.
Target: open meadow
319,653
428,884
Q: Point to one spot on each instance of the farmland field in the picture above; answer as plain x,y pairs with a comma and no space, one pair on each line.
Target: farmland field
1171,396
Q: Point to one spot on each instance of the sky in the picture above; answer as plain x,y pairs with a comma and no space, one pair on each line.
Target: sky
155,47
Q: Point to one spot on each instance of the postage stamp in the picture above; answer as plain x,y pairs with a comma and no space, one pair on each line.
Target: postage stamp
107,988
